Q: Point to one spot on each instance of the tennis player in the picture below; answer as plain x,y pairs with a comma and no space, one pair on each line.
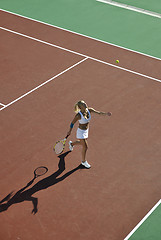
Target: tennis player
83,116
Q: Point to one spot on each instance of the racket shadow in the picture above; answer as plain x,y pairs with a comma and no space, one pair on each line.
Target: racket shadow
26,195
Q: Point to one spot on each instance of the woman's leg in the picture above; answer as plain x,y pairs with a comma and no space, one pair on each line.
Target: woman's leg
84,144
72,144
84,149
76,143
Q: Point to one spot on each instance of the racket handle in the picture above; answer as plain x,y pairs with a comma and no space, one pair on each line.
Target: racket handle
67,136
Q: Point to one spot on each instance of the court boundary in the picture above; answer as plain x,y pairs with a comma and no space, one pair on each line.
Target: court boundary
130,7
143,220
80,34
65,49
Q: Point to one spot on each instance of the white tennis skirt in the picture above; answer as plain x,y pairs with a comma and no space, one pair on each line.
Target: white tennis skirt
82,134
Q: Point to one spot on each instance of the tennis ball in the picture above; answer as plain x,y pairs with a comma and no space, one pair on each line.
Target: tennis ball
117,61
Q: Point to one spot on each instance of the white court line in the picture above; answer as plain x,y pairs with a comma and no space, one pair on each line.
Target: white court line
143,220
80,34
49,80
2,104
82,55
132,8
41,41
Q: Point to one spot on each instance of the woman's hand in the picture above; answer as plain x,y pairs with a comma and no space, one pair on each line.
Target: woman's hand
109,114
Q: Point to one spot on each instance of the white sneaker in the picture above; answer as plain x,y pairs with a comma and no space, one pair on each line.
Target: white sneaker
70,146
86,164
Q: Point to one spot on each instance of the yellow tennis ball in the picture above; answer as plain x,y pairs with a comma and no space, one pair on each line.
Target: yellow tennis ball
117,61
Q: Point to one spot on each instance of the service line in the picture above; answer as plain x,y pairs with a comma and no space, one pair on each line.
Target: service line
80,54
79,34
85,57
1,104
44,83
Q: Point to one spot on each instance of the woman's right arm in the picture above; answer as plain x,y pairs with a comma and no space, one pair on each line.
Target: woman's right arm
76,118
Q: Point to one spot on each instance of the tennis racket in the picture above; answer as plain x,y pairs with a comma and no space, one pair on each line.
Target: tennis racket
60,145
40,171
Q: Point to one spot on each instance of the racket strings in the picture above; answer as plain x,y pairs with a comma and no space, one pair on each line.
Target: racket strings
59,147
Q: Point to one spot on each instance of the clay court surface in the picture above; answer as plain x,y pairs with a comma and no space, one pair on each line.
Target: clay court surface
107,201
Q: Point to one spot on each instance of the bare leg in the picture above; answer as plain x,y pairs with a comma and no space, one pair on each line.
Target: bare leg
84,149
83,143
76,143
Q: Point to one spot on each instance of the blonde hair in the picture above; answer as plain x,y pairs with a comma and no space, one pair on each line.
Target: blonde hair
78,104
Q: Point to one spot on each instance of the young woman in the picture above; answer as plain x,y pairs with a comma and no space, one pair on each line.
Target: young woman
83,116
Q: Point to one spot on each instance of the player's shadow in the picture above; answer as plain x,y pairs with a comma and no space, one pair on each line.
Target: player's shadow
26,195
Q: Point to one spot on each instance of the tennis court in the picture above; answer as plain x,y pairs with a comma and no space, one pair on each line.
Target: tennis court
47,64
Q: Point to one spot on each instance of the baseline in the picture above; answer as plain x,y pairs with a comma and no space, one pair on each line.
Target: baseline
83,45
79,34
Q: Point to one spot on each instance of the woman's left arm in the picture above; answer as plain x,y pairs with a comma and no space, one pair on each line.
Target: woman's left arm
100,113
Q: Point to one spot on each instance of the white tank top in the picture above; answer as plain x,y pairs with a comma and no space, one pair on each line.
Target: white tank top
83,120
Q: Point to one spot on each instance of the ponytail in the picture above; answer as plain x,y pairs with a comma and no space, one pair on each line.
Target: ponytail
76,108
